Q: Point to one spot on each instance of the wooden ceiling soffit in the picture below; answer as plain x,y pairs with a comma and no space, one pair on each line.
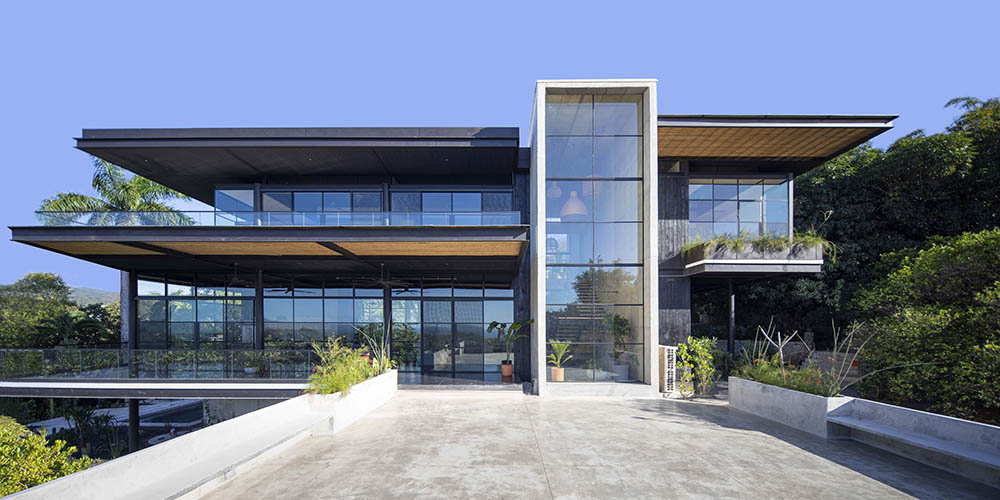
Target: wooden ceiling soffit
94,248
264,248
784,143
434,248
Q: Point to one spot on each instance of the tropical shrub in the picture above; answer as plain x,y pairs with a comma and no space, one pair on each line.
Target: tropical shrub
696,364
339,368
27,459
940,305
768,370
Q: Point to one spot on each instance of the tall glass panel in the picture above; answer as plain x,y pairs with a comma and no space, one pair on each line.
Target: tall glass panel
593,248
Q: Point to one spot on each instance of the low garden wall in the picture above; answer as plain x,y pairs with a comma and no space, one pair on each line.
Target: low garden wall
190,466
969,449
803,411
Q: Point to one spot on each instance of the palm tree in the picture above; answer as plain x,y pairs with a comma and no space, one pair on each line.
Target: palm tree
119,193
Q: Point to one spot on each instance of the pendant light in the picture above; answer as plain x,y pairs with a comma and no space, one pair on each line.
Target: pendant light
574,209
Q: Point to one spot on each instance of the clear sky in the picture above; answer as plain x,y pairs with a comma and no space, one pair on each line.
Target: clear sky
73,65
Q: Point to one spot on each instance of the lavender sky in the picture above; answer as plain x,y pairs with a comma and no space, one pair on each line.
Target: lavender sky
73,65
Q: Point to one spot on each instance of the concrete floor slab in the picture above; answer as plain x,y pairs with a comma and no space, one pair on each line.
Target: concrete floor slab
469,444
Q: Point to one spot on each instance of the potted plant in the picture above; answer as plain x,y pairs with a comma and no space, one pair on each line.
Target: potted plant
254,366
508,335
621,327
557,357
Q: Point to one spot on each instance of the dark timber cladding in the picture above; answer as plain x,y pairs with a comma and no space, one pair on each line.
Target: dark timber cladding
194,160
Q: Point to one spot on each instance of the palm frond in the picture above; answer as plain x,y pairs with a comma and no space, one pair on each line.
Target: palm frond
73,202
108,179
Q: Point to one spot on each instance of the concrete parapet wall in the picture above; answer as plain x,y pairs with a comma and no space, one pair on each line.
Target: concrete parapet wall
190,466
969,449
803,411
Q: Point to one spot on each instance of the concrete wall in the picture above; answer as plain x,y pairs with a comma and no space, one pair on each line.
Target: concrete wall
806,412
190,466
217,410
969,449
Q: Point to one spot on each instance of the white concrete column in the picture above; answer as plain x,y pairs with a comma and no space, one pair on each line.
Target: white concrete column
537,235
651,233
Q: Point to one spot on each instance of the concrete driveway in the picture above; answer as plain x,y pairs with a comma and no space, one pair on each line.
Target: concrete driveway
471,444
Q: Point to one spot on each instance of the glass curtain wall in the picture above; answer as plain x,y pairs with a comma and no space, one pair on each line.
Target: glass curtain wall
438,326
749,207
594,251
179,312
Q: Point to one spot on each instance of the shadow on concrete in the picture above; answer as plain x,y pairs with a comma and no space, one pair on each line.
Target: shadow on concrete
905,475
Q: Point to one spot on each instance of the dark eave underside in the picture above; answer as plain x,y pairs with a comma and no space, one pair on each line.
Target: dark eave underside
192,161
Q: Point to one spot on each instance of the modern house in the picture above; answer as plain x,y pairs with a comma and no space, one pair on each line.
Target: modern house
433,233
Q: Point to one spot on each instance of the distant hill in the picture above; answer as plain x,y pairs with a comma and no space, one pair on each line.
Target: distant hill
86,296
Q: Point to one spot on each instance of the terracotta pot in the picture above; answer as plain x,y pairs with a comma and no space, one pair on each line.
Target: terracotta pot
557,374
507,369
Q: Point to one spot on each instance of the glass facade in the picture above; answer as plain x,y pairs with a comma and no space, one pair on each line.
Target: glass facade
471,208
594,235
750,207
438,326
181,313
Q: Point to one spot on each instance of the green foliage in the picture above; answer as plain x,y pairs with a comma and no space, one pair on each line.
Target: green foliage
29,303
376,339
882,202
768,370
941,305
696,365
339,368
509,335
621,327
119,192
558,355
27,459
765,243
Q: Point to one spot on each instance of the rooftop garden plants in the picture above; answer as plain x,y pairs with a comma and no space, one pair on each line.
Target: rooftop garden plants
696,366
341,366
766,243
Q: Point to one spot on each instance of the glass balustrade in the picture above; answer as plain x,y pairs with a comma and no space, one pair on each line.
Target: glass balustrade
273,219
156,364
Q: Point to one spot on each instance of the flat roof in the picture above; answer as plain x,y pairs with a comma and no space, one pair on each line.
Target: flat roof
194,160
800,142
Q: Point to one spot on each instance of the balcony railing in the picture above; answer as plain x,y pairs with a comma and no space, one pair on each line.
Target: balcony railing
156,364
275,219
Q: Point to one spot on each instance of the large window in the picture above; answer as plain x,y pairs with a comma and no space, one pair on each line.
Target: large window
450,207
180,312
299,313
593,248
750,207
440,326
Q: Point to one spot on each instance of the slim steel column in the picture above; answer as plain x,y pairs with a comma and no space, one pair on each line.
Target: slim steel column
258,312
732,318
133,425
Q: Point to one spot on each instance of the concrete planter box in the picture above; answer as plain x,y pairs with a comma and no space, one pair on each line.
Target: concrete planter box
749,252
803,411
190,466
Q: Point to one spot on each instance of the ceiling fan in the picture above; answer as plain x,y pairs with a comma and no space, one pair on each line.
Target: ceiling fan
384,282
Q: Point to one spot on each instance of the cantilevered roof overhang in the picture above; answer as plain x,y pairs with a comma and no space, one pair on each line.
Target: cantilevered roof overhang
194,160
495,251
798,142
